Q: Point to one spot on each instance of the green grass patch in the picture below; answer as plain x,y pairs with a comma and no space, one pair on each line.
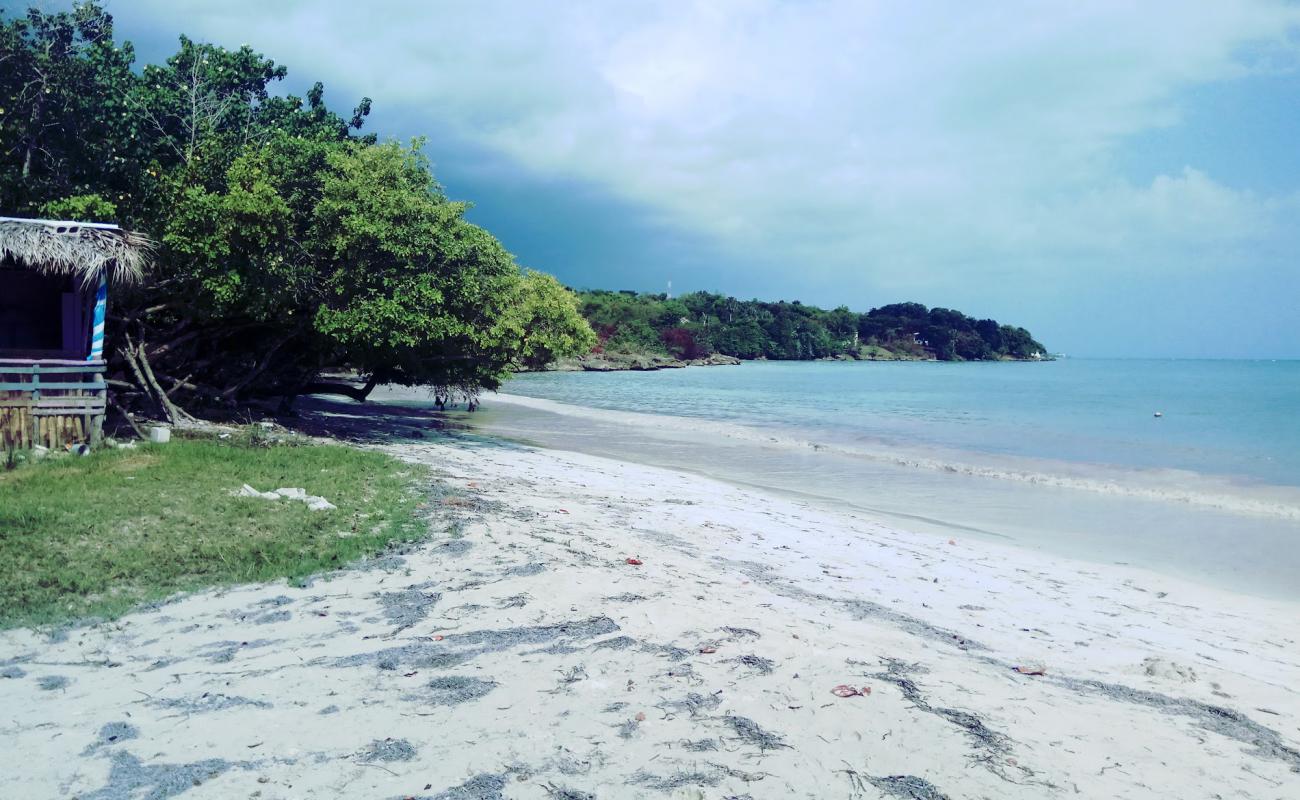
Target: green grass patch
96,535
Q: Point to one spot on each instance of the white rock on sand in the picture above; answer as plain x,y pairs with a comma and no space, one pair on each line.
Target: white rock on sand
522,656
314,502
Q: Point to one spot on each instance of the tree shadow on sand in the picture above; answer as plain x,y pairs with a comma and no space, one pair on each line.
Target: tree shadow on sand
387,422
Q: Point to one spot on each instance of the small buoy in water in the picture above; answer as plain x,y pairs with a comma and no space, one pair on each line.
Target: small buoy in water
1160,413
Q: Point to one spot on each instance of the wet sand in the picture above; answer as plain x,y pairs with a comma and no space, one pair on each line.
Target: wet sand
519,654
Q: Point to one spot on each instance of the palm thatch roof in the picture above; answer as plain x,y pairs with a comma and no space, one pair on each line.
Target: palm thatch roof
83,250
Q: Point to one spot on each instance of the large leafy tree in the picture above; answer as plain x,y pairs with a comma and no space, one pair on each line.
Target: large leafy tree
66,127
290,243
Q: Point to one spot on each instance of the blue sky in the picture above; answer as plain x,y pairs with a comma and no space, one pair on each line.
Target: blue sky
1121,178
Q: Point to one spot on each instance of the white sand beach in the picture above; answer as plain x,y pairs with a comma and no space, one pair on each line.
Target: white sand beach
518,654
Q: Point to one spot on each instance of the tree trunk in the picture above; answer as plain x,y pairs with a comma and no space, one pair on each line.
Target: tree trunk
347,390
38,115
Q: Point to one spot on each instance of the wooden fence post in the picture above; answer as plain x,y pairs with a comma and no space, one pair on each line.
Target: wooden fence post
36,396
95,422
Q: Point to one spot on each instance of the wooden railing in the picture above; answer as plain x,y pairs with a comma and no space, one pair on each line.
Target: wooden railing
50,401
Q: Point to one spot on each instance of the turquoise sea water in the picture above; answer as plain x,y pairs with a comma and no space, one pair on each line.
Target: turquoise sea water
1065,456
1231,418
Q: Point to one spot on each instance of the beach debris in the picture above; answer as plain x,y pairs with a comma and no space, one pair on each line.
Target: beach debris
272,617
990,742
640,716
249,491
112,733
708,649
908,787
573,674
750,732
1155,667
764,666
844,690
128,776
1159,414
471,644
485,786
636,562
225,651
628,729
1263,741
452,690
1031,669
668,651
408,606
314,502
709,774
455,547
616,643
693,703
207,702
514,601
563,793
389,749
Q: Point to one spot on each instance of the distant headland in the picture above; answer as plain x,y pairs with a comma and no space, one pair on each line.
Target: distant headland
655,331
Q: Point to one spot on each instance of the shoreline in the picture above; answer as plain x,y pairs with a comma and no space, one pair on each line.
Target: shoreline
519,655
1070,512
1217,492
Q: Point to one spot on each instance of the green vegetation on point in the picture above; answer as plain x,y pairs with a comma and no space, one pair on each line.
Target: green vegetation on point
698,324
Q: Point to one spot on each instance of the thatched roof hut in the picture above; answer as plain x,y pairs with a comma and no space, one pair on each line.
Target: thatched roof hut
54,279
82,250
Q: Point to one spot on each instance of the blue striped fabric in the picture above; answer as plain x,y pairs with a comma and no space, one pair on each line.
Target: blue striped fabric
97,329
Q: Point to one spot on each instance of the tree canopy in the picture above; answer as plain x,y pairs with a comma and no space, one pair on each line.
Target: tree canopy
289,243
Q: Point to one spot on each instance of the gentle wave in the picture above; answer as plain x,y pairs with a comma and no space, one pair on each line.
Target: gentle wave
1213,492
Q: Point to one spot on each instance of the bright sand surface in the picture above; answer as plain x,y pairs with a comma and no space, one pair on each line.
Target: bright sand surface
520,655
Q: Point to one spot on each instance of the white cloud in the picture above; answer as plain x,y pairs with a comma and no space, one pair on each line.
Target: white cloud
824,133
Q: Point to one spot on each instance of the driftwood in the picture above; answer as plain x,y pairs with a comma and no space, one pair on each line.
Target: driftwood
126,415
138,360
